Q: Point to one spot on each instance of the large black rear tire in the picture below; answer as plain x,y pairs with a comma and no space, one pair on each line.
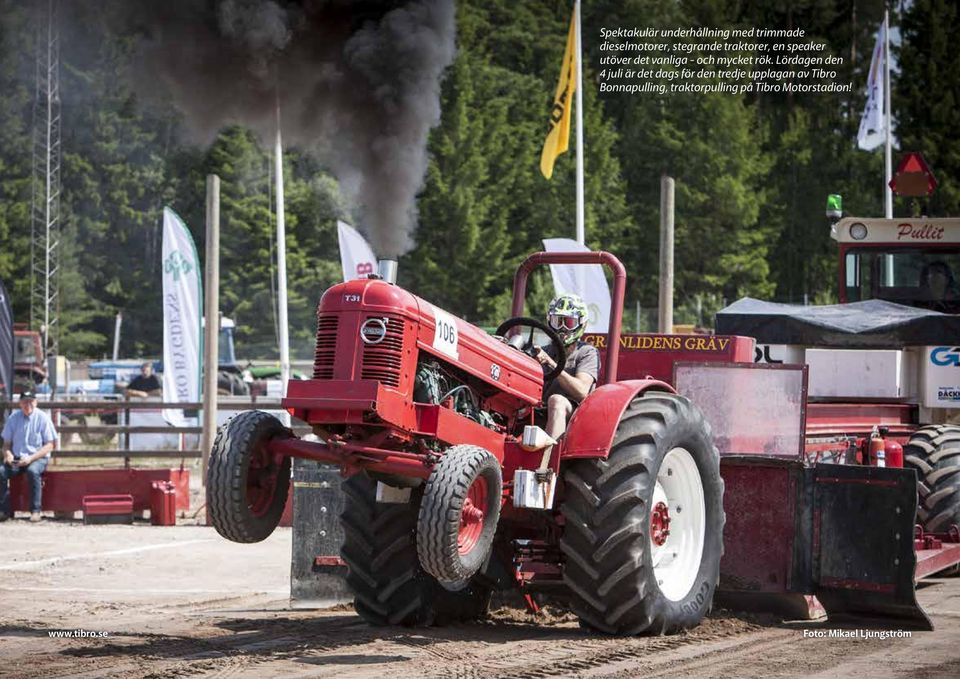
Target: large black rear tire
384,572
246,488
934,451
615,509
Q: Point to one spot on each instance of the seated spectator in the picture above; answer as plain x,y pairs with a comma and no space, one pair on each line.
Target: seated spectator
145,384
28,439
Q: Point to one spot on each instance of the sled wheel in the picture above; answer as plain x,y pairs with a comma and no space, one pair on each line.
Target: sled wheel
384,573
459,514
247,486
643,531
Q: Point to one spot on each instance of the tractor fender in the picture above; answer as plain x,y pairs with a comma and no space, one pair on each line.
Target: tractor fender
594,422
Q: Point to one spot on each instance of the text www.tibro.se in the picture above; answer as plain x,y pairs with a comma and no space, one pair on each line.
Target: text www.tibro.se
77,634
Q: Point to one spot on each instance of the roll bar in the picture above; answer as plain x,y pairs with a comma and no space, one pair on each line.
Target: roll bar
616,310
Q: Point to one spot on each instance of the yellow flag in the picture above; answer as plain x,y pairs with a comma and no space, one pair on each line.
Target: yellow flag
558,136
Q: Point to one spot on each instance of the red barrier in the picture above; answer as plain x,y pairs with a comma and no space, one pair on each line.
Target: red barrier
63,491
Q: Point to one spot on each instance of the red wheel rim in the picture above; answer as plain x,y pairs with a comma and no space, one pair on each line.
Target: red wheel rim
659,523
261,481
472,516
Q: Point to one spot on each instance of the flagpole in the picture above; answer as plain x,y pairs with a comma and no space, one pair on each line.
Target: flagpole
888,119
580,231
281,261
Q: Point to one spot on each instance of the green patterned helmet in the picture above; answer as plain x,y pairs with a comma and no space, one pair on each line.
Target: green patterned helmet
568,316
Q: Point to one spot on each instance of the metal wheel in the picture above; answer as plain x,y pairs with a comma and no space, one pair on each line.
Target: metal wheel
677,524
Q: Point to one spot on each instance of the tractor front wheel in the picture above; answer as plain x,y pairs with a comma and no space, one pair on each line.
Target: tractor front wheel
934,451
643,531
459,515
247,486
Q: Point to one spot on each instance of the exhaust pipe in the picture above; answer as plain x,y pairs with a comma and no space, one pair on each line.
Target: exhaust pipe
387,270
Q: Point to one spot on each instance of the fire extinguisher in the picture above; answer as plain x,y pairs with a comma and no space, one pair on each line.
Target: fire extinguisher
878,453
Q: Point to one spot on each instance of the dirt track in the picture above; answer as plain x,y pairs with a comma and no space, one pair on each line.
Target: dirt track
183,602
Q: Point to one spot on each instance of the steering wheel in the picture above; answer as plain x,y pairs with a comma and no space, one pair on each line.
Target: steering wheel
530,348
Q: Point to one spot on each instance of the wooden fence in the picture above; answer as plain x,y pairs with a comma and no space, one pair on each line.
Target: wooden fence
70,417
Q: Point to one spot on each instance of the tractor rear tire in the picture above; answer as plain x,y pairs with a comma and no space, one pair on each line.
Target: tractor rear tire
934,451
384,572
459,515
246,488
661,480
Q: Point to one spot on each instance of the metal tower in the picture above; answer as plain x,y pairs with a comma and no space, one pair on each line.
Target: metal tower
45,243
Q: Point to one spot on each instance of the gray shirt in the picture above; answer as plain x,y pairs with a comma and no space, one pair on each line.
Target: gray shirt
581,358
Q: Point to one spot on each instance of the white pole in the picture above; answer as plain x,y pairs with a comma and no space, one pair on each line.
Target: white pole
888,119
116,336
580,232
281,262
665,312
211,331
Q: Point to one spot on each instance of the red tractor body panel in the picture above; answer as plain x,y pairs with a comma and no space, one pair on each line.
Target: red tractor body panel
595,421
411,323
371,338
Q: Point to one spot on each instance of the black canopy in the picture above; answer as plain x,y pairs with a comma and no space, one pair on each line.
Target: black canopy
873,324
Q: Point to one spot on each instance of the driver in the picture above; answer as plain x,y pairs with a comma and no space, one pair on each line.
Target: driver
568,317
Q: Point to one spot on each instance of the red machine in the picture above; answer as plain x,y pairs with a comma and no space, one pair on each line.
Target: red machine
29,367
434,424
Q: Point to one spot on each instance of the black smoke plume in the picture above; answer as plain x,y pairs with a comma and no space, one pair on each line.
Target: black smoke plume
359,80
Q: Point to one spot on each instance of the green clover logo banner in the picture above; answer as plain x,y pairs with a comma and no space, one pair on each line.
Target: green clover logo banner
182,309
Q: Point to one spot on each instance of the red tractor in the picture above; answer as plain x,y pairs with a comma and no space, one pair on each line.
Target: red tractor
434,424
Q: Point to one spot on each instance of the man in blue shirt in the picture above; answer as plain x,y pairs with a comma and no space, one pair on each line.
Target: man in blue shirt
28,439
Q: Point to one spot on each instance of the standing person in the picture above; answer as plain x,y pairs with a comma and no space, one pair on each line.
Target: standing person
145,384
28,439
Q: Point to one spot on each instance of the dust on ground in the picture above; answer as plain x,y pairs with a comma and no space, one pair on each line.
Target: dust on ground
143,601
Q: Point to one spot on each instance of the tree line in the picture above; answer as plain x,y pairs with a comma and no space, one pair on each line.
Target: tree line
752,172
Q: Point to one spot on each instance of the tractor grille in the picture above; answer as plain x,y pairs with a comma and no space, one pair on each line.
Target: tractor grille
326,347
382,361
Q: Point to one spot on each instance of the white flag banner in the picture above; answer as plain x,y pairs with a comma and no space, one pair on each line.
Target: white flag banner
356,255
586,280
873,123
182,309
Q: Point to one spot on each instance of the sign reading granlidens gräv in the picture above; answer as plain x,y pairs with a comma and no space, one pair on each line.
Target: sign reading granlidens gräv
182,310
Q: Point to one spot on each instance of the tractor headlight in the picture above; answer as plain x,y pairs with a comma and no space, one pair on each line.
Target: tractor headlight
858,231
